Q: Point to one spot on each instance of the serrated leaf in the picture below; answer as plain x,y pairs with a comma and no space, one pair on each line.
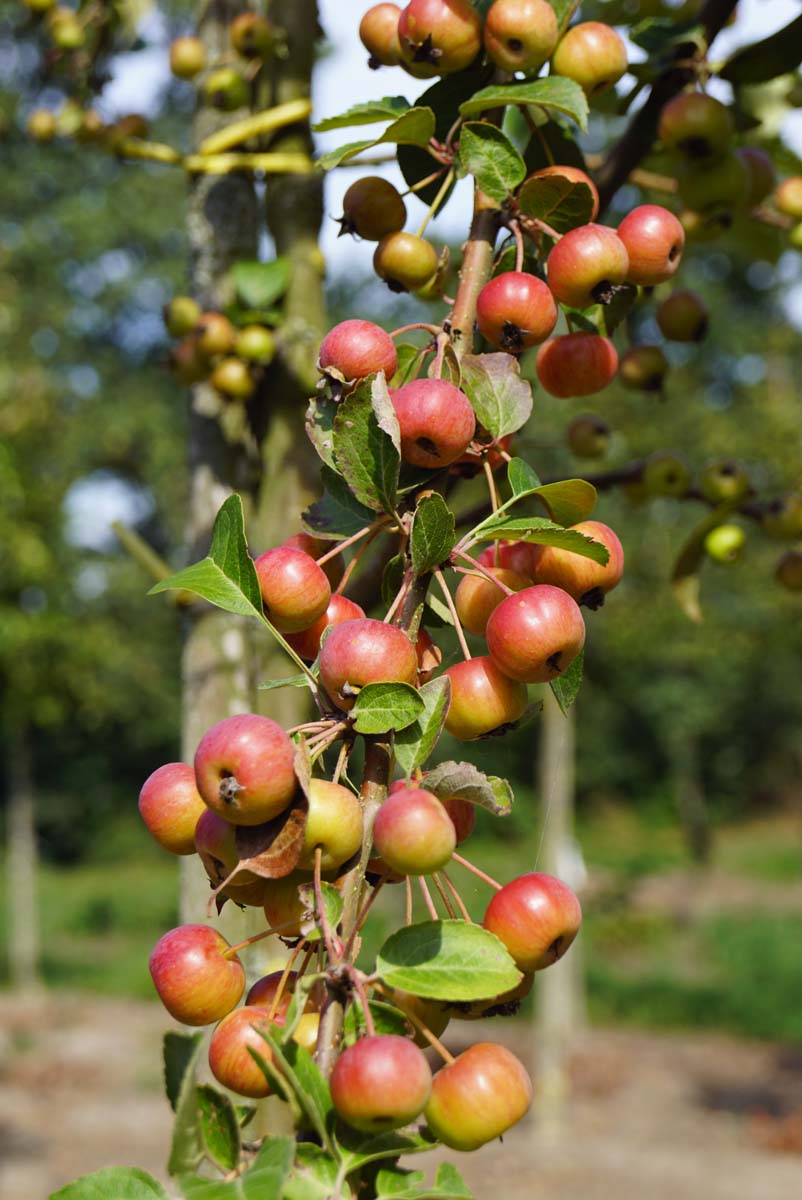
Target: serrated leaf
414,744
522,478
395,1183
360,1149
272,849
264,1180
543,532
552,143
464,781
181,1053
567,502
314,1177
319,424
367,113
366,445
414,128
381,707
447,960
561,202
260,284
488,154
337,514
113,1183
554,93
432,535
409,358
219,1127
566,686
501,399
312,929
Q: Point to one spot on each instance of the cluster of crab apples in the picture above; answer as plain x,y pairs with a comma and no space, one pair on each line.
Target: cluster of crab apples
211,348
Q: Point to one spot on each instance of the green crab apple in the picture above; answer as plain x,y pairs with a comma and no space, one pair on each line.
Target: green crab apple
593,55
588,436
725,543
181,315
643,369
380,1083
244,768
477,1097
665,474
372,208
537,917
683,317
256,344
251,35
405,261
334,823
187,57
724,481
197,982
697,125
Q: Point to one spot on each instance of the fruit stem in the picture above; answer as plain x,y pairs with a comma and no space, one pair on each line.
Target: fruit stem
257,937
282,983
408,903
331,950
355,537
359,988
491,485
519,245
480,570
343,755
444,896
438,200
432,329
417,1023
452,608
480,874
458,899
349,570
427,898
362,915
422,183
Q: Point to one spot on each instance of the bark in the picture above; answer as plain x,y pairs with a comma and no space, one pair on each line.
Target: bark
21,867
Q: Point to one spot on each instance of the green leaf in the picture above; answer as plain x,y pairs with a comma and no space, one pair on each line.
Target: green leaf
301,1075
685,581
552,142
414,128
501,399
314,1177
312,929
295,681
567,502
360,1149
226,577
543,533
113,1183
219,1128
559,201
319,425
392,578
438,610
366,445
260,284
564,9
489,155
179,1054
386,1019
447,960
566,686
337,514
775,55
554,93
414,744
409,358
432,536
444,98
181,1051
658,35
522,478
464,781
388,108
381,707
395,1183
264,1180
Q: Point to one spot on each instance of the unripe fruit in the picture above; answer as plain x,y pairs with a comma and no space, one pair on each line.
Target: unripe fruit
536,634
654,239
41,125
512,556
187,57
195,982
722,188
181,315
665,474
519,35
380,1083
39,6
725,543
587,581
483,699
782,518
306,1031
317,547
232,377
516,310
439,36
189,364
169,804
576,175
334,822
378,32
413,833
372,208
66,29
477,597
588,436
683,317
251,35
231,1063
255,343
587,265
365,651
761,176
643,369
788,197
226,89
724,480
537,918
788,571
244,767
697,125
479,1096
404,261
307,643
295,590
215,843
216,335
576,364
436,422
358,348
593,55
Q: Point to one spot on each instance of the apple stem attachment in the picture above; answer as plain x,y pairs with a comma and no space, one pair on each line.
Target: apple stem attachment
515,230
460,903
452,608
418,1024
480,874
427,898
434,330
444,896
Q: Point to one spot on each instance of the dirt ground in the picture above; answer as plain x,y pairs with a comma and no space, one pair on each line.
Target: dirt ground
652,1117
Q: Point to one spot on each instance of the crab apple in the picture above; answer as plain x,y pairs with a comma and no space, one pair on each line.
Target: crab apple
516,310
575,175
306,1031
782,518
788,571
39,6
429,656
588,436
724,480
372,208
537,918
643,369
229,1051
483,699
216,335
226,89
587,581
576,364
536,634
436,422
378,32
186,360
187,57
364,651
233,378
382,1082
295,590
334,822
307,643
593,55
244,769
462,813
358,348
683,317
477,596
262,994
587,265
285,911
196,983
405,261
725,543
520,35
66,29
317,547
431,1013
722,188
697,125
170,805
256,344
181,315
511,556
251,35
665,474
654,239
788,197
480,1095
413,833
215,843
439,36
41,125
761,176
505,1005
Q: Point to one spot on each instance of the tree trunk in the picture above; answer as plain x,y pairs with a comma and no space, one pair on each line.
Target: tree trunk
21,867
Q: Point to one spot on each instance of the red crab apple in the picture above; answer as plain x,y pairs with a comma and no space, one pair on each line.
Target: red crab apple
413,833
511,556
587,265
378,32
683,317
169,804
187,57
358,348
244,769
575,175
380,1083
477,596
462,813
576,364
229,1057
263,992
441,36
536,634
588,436
215,842
697,125
520,35
483,699
196,983
365,651
317,547
587,581
436,422
334,823
372,208
307,642
295,590
654,239
537,917
404,261
515,310
643,369
477,1097
593,55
